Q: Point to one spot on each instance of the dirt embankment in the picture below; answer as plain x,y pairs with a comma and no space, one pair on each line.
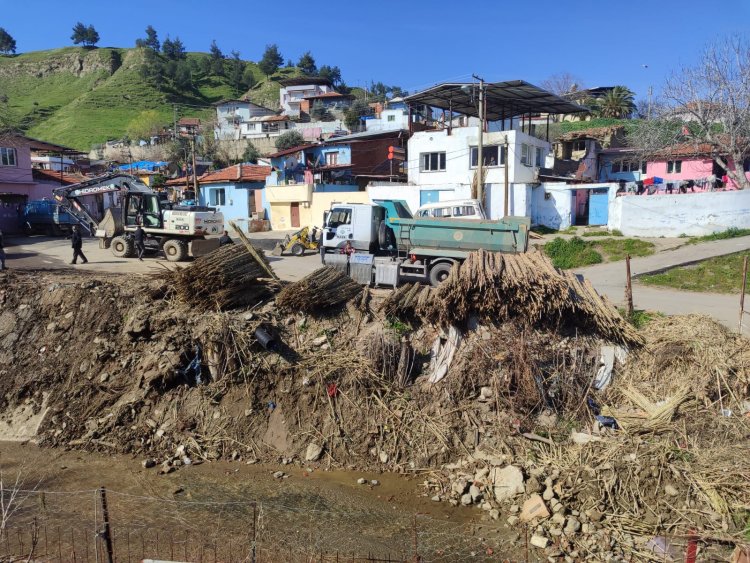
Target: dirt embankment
110,364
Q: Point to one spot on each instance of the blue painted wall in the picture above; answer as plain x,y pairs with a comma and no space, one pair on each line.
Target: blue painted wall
236,199
606,174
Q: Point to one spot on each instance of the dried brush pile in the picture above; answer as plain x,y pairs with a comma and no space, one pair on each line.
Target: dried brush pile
323,289
227,278
525,287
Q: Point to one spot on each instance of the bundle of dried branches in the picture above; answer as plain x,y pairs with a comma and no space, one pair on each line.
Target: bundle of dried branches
324,288
227,278
527,287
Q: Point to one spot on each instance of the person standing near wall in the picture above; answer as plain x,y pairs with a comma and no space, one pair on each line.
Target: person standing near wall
76,242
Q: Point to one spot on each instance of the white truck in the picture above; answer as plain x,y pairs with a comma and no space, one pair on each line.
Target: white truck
179,231
398,246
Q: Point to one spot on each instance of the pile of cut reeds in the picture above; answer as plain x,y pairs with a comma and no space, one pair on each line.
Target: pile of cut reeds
323,289
227,278
525,287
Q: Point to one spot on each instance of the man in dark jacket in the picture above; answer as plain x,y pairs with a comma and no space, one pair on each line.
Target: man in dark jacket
140,245
77,243
224,239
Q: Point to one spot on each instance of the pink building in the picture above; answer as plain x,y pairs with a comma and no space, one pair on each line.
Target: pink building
688,162
17,183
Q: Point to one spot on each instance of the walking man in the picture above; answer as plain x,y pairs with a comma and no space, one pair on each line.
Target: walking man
77,243
2,252
140,245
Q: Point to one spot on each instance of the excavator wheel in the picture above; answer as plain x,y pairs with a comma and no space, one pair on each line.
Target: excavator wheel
175,250
123,247
298,249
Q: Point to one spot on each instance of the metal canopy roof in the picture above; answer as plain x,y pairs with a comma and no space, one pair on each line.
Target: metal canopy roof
504,99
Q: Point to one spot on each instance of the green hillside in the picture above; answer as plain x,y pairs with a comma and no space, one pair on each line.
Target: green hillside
79,97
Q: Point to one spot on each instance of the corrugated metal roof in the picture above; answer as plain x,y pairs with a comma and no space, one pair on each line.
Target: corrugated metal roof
504,99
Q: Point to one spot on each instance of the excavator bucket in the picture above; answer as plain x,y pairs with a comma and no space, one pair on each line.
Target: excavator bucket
278,249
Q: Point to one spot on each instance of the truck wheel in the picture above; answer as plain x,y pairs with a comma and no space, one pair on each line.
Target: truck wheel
175,250
298,249
386,237
123,247
439,272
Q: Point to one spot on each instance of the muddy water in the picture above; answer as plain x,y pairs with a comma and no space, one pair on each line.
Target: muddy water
311,511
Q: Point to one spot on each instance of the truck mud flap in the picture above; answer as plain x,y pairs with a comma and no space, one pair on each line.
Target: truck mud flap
201,247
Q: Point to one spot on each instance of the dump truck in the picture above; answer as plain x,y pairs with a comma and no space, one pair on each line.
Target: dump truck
399,247
46,217
179,231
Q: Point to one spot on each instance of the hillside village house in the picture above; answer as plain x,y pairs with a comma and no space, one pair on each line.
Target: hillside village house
237,119
236,191
294,93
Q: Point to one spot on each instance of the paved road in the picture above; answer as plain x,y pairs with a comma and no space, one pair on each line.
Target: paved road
610,280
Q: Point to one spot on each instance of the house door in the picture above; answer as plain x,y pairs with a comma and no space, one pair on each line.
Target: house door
429,196
598,207
295,214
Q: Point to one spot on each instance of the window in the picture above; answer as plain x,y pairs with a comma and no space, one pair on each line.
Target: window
432,161
441,212
339,217
616,167
332,158
391,118
8,157
525,155
674,166
579,145
490,156
643,167
463,211
218,197
539,157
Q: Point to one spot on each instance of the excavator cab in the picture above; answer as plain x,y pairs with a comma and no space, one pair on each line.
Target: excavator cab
144,209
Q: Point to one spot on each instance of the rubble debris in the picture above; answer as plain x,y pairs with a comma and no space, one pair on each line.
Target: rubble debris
325,288
314,451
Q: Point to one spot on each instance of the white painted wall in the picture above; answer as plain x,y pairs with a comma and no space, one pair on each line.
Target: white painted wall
389,190
673,215
552,205
389,120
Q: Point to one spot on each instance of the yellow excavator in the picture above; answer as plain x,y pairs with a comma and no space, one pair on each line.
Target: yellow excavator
297,243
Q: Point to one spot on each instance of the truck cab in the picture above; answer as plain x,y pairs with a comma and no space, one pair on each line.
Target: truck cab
354,222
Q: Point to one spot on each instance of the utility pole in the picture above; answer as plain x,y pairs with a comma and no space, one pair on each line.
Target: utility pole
507,178
480,142
195,175
174,127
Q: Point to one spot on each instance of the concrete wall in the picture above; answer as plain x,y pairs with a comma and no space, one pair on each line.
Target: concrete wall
21,172
239,200
552,205
311,211
691,170
673,215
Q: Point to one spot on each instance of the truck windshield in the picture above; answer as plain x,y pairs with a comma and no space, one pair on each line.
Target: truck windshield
339,216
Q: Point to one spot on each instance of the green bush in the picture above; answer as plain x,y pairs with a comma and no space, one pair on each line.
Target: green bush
732,232
571,253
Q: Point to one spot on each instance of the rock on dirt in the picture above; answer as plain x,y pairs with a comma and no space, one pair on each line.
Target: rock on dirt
539,541
148,463
507,482
534,507
314,451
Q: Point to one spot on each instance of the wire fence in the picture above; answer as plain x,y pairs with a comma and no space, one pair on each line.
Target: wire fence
105,526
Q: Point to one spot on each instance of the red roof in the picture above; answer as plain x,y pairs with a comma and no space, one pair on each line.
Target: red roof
189,121
53,176
292,150
687,150
237,173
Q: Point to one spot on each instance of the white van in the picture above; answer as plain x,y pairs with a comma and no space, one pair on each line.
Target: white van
452,209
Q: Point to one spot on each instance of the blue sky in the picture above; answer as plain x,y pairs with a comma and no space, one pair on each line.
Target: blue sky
414,43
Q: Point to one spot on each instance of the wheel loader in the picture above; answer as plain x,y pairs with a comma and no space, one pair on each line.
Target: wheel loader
297,243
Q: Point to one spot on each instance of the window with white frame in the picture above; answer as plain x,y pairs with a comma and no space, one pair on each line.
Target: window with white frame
525,154
217,197
492,155
674,166
432,161
8,157
332,158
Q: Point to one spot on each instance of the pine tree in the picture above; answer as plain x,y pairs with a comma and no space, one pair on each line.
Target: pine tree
7,43
151,41
306,63
217,59
271,60
236,73
84,35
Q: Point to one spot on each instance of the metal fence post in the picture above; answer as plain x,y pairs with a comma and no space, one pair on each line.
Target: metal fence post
106,536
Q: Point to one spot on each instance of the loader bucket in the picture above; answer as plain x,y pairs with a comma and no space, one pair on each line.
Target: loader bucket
278,249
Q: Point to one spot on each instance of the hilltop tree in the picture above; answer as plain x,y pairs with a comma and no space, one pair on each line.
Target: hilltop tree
307,65
153,69
618,103
706,106
183,77
271,60
173,50
289,139
82,34
7,43
289,63
217,59
151,41
332,73
248,78
236,73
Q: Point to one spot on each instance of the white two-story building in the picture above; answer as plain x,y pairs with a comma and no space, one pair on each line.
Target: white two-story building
237,119
294,91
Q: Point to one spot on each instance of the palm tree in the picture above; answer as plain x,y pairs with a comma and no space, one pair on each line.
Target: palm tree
618,103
